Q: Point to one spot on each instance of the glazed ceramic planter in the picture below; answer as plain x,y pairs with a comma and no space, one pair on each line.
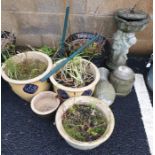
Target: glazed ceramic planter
75,40
27,89
87,100
67,92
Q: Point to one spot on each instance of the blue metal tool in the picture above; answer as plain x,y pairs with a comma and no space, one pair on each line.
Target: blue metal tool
62,41
64,62
62,49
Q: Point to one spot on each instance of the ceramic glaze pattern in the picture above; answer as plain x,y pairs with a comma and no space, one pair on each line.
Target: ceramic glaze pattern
30,88
62,94
87,93
65,95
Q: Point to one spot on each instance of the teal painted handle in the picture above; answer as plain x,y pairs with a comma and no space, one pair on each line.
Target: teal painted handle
64,28
64,62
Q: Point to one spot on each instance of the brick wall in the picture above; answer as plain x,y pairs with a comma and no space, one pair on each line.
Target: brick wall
38,22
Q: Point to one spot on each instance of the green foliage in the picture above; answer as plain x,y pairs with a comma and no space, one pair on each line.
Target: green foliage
84,122
7,52
47,50
25,70
75,74
11,69
90,52
73,133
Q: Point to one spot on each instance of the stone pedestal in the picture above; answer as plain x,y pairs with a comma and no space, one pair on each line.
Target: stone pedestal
128,22
121,43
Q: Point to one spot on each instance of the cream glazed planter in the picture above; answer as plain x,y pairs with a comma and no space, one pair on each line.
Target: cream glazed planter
85,100
67,92
27,89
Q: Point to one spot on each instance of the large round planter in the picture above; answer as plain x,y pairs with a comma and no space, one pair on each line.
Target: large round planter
67,92
27,89
85,100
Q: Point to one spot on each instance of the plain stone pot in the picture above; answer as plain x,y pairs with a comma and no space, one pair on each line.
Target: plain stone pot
104,89
45,103
104,73
67,92
27,89
122,79
88,101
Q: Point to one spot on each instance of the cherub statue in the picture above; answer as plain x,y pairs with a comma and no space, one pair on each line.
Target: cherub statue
121,43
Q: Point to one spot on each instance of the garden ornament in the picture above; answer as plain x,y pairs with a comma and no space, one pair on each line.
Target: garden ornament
128,22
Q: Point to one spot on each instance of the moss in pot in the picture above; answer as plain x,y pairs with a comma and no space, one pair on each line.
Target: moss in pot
84,122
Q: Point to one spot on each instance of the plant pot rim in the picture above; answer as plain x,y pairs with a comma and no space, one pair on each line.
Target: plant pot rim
96,80
75,100
35,98
49,66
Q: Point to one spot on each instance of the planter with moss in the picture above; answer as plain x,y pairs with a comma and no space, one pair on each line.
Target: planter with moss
84,122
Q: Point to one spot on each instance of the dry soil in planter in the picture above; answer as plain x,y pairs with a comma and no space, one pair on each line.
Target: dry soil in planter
19,67
98,52
75,74
81,87
27,69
